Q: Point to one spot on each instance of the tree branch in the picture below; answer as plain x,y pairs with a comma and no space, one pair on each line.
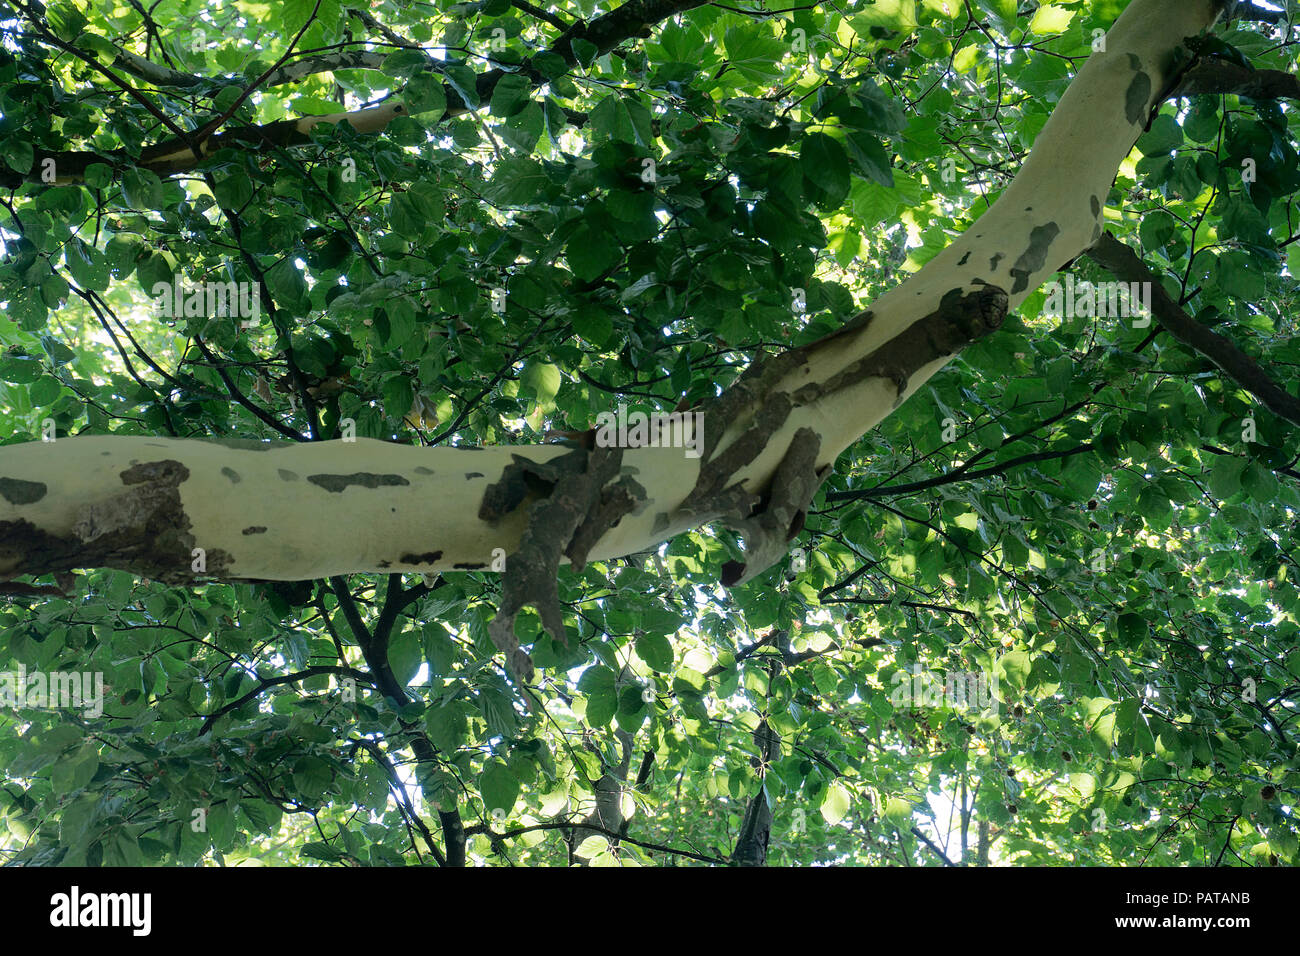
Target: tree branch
268,682
1216,75
595,828
1125,265
632,19
916,832
882,491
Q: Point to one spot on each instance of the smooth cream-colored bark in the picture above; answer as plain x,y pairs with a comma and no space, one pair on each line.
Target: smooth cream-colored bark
306,511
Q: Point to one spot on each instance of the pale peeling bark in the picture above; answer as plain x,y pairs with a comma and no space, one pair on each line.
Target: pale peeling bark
307,511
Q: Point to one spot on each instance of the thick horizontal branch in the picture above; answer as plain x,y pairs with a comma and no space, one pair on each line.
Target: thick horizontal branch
752,457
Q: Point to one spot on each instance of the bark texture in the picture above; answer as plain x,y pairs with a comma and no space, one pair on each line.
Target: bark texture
179,509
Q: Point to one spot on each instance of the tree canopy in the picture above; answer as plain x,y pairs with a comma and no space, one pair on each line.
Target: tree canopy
1045,612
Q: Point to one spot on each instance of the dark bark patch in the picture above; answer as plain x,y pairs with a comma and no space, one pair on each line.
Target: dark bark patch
965,256
421,470
780,514
365,479
994,260
1095,203
232,475
471,475
578,509
429,557
286,475
142,528
16,491
1035,256
469,565
168,471
522,478
1138,94
255,529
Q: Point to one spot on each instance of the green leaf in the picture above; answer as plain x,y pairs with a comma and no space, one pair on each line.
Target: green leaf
142,189
1003,12
234,190
657,651
1164,136
424,94
511,94
585,52
499,787
406,650
524,128
404,63
825,168
543,380
594,326
1013,668
1132,629
898,811
75,771
87,265
869,158
19,155
517,180
1050,19
447,726
1156,229
591,254
45,390
835,803
398,396
464,81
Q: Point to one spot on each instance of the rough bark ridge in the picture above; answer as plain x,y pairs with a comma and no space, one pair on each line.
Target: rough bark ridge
307,511
578,504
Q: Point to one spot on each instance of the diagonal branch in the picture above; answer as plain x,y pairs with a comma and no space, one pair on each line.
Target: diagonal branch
266,683
1216,75
374,648
956,475
1125,265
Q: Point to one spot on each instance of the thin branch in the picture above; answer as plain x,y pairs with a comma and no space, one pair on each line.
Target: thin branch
595,828
956,475
266,683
